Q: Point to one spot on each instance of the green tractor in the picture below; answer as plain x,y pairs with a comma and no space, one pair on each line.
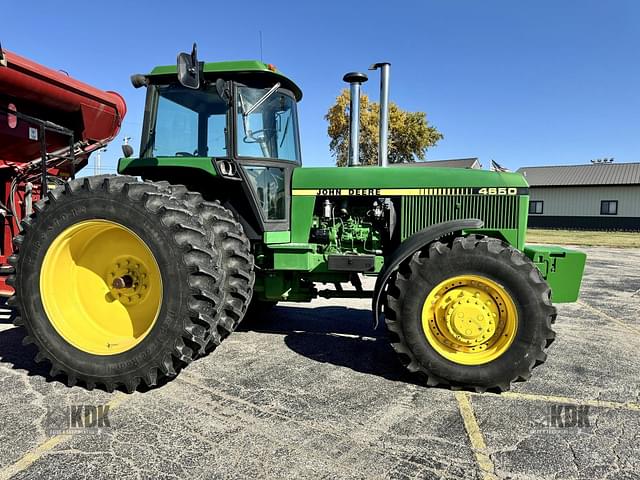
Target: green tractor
121,282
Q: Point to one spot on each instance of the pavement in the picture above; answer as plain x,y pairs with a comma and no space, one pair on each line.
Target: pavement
312,391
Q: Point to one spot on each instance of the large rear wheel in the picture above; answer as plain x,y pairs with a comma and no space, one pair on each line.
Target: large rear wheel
473,313
115,280
79,266
227,235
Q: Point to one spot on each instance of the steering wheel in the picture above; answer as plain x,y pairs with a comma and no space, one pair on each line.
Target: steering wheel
263,133
185,154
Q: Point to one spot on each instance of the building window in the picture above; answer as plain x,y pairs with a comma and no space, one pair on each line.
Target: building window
536,207
609,207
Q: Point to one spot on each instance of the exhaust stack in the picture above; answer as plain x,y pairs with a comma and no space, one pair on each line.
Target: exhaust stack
355,80
383,143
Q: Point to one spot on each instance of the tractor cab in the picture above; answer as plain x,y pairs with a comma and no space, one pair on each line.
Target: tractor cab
238,119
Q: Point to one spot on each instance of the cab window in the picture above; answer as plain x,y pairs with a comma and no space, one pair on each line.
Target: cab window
269,130
268,184
190,123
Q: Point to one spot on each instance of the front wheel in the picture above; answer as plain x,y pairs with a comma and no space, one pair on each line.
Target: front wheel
473,313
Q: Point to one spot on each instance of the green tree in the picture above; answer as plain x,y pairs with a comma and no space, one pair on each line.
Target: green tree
409,132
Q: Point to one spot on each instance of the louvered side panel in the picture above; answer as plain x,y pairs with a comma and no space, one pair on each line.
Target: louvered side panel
497,211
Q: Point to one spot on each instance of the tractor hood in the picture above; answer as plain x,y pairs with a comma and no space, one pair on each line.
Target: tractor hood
320,181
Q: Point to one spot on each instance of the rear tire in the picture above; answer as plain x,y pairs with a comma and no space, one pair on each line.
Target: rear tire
476,278
189,278
227,235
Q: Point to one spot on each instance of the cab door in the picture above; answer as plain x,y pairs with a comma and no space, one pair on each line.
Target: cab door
267,150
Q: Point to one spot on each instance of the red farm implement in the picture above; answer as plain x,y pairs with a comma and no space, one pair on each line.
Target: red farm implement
49,124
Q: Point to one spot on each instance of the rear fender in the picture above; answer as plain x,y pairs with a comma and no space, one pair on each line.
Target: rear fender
157,165
410,246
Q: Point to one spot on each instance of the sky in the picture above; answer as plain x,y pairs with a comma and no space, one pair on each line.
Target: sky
522,83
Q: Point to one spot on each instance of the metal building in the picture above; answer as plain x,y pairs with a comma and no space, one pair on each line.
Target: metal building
597,196
471,162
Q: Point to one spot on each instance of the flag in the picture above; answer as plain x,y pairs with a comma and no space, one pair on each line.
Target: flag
496,167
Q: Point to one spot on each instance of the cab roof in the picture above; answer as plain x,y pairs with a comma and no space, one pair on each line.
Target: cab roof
239,70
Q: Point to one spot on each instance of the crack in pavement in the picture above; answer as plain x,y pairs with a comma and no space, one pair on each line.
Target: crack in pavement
353,442
45,447
605,316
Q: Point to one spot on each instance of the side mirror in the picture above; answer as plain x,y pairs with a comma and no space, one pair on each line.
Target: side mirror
189,69
138,80
127,150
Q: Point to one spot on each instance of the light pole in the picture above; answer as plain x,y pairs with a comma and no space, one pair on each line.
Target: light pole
97,161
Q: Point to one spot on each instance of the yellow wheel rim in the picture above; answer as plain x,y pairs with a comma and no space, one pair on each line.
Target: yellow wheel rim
101,287
469,319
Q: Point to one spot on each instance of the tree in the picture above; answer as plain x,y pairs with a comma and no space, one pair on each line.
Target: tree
409,132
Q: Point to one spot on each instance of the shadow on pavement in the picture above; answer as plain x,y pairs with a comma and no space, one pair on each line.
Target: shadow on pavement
19,356
337,335
22,357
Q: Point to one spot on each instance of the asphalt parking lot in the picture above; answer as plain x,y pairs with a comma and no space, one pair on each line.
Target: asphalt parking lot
313,391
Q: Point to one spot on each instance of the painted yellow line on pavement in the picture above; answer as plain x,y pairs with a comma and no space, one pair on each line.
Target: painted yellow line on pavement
475,436
569,400
609,317
36,453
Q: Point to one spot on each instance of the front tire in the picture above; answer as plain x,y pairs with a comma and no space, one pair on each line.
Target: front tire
114,280
472,313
